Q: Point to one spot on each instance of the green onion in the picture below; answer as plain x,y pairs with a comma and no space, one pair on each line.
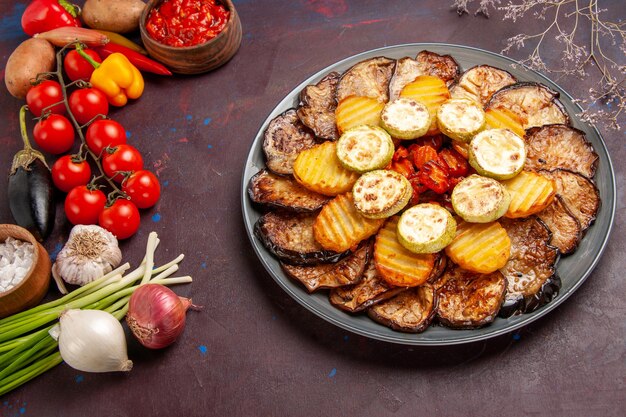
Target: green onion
27,349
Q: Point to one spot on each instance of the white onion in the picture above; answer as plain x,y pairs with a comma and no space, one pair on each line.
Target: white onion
92,341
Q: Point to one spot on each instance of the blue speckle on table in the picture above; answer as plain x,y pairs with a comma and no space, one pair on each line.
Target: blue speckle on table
172,129
203,265
210,146
206,121
55,252
166,183
203,349
10,24
156,217
22,410
345,338
128,134
332,373
189,117
79,379
273,317
517,336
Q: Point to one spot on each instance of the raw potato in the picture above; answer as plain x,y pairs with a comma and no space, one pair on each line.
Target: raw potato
120,16
31,57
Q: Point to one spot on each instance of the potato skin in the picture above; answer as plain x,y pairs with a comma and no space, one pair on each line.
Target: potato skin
31,57
120,16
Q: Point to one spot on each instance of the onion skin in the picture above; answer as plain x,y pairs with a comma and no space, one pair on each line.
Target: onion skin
156,315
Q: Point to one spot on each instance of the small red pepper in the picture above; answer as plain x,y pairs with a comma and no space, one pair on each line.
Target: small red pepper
142,62
44,15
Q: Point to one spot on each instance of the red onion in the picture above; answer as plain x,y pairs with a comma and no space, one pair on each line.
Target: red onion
156,315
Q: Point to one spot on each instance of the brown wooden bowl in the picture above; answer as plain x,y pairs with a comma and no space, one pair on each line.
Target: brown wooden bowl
198,58
31,290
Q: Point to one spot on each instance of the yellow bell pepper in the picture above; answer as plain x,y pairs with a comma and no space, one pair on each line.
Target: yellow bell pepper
118,79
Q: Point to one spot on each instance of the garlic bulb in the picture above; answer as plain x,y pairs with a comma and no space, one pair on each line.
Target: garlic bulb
89,253
92,341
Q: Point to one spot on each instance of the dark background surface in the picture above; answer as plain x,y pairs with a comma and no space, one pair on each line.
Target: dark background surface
253,350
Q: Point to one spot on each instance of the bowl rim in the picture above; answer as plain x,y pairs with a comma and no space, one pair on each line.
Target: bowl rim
36,252
153,3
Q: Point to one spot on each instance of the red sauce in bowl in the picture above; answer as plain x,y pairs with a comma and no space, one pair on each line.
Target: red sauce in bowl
186,22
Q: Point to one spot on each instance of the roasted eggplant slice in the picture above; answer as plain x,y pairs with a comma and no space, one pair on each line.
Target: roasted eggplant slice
347,271
579,194
534,103
469,300
480,82
370,290
285,137
560,146
269,189
530,271
289,236
317,107
368,78
411,311
565,228
427,63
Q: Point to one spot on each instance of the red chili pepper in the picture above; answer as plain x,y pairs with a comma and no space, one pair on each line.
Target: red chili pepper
44,15
142,62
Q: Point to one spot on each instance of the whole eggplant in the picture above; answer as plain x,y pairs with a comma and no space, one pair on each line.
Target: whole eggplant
30,189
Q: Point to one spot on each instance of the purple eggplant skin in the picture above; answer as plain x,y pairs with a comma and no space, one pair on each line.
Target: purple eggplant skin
31,198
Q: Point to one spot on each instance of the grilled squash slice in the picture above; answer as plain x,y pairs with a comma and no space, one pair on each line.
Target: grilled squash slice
405,118
339,226
411,311
530,193
480,82
531,269
497,153
430,91
480,247
319,170
396,264
381,193
369,78
357,110
370,290
317,107
501,118
560,146
460,119
365,148
479,199
564,226
426,228
284,138
469,300
348,270
283,192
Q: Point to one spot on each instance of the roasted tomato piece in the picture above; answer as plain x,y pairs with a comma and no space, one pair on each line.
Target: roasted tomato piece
404,167
434,175
400,153
457,165
424,154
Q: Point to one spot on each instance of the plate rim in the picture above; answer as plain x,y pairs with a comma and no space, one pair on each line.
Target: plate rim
462,336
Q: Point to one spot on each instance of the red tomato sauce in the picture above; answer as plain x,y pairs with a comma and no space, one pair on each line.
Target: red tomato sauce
186,22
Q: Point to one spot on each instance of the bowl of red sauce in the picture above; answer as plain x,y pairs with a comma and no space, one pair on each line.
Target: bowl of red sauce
191,36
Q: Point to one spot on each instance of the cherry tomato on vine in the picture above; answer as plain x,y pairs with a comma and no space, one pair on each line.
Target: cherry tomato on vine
83,206
122,158
104,132
46,94
54,134
87,103
143,188
67,174
121,218
78,68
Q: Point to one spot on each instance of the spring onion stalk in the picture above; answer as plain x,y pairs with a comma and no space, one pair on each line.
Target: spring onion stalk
27,349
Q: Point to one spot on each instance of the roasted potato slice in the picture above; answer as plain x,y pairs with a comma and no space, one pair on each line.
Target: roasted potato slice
370,290
580,195
317,107
565,228
283,192
469,300
501,118
411,311
430,91
530,271
480,82
560,146
319,170
285,137
530,193
480,247
355,111
347,271
369,78
339,226
534,103
289,236
396,264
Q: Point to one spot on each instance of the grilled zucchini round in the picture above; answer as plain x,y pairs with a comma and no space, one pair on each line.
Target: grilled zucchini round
365,148
479,199
497,153
426,228
405,118
460,119
381,193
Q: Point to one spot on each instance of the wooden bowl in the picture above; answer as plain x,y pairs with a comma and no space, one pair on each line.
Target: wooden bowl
198,58
31,290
